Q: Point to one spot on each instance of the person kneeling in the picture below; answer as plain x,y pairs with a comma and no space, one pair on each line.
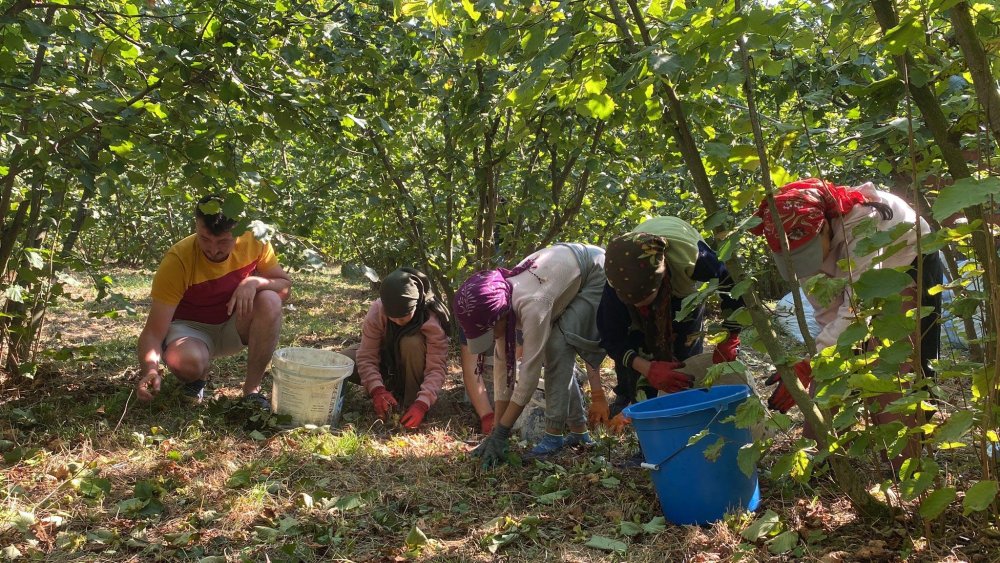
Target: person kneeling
404,347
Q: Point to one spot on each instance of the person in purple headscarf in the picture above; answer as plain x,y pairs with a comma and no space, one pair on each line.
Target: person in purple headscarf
552,298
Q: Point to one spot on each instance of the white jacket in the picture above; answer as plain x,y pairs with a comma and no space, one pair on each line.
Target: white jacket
835,317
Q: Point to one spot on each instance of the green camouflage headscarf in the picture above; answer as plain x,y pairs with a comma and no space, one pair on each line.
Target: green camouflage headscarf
636,265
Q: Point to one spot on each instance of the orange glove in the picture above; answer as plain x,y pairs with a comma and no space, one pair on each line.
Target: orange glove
598,411
414,415
619,423
383,401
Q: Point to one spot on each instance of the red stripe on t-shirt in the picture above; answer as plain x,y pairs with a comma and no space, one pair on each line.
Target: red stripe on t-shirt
206,302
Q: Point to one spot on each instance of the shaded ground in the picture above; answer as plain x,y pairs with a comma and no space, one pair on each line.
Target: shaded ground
92,474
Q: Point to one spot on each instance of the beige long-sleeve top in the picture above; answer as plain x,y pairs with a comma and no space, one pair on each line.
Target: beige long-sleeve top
835,317
539,296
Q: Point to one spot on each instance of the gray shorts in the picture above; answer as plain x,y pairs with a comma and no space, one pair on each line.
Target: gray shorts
222,339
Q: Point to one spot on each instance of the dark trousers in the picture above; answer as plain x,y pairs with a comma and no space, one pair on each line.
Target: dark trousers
626,389
930,326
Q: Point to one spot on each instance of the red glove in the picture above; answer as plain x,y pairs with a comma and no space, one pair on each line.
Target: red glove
780,399
726,350
486,423
383,401
663,376
414,415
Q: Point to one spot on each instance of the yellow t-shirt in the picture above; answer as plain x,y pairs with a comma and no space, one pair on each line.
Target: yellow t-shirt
201,288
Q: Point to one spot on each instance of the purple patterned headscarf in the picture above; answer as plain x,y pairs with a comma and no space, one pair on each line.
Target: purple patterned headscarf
480,303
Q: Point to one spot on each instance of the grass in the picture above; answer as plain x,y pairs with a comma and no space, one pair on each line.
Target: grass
91,474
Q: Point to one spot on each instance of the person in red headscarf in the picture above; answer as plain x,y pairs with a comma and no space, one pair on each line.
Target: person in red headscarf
824,225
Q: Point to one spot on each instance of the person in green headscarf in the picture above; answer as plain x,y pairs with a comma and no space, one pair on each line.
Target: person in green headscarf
403,354
651,270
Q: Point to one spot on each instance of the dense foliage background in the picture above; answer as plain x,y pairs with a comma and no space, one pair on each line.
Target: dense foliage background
452,135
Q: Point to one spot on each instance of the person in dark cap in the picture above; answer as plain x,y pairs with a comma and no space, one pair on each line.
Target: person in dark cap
651,270
403,354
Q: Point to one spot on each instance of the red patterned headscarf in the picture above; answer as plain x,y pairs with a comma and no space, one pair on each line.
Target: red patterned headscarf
804,207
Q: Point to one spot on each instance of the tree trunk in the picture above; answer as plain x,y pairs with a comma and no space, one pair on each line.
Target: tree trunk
937,123
847,476
979,66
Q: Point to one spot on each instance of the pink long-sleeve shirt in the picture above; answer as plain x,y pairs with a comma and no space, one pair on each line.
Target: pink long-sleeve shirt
369,353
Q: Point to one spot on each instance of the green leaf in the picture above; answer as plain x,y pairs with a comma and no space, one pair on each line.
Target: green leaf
554,496
761,527
964,193
748,456
92,487
902,36
131,505
881,283
956,426
979,497
784,542
35,260
664,65
654,9
629,528
697,437
38,29
416,538
470,9
350,502
595,85
871,383
655,526
600,106
713,451
936,502
240,478
824,288
233,205
610,482
606,544
122,149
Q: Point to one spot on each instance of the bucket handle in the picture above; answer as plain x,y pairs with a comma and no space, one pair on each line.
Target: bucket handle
656,466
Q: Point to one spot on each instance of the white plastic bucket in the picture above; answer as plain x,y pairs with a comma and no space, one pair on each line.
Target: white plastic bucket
308,384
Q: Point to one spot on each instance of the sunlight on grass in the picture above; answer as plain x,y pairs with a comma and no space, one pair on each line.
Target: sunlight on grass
322,442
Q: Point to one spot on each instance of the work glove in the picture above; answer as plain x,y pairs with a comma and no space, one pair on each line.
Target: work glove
495,447
619,423
486,423
663,376
383,401
414,415
726,350
781,400
598,412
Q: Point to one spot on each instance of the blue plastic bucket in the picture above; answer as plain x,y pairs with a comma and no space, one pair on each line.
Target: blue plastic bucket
692,489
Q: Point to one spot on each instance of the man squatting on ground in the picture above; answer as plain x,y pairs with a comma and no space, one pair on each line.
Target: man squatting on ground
213,294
